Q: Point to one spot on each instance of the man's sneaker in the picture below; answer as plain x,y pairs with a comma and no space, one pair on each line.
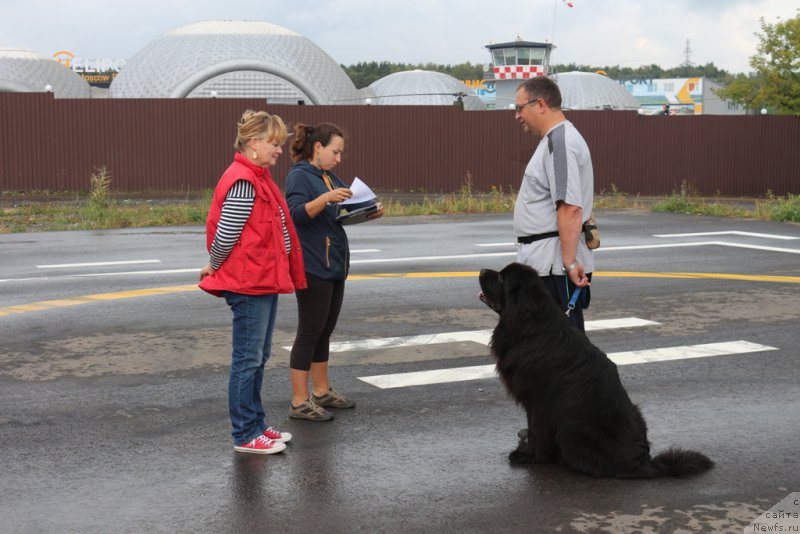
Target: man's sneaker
333,399
275,435
260,445
309,410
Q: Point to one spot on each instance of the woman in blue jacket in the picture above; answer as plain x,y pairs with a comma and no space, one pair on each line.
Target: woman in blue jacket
312,193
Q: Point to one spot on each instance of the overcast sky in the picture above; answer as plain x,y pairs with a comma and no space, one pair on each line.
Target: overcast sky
593,32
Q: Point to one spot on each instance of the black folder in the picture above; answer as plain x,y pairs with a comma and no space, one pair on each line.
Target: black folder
357,215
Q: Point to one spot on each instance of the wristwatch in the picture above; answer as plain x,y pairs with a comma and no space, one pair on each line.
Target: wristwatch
571,266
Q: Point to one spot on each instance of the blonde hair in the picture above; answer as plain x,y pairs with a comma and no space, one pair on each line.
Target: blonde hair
259,125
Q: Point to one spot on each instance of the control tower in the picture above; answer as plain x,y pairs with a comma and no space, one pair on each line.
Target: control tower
515,62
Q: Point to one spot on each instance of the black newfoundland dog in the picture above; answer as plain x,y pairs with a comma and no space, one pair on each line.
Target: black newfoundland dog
578,412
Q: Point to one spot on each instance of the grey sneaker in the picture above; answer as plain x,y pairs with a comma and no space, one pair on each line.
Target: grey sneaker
309,410
333,399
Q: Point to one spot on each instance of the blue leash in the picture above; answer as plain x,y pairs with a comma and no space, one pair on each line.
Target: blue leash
573,300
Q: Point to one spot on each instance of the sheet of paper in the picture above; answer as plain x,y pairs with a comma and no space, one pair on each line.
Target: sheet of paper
361,193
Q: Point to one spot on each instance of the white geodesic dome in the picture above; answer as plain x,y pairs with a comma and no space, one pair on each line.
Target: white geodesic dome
423,88
26,71
587,90
241,59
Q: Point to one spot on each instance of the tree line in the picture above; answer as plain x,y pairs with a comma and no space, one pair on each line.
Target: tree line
615,72
364,73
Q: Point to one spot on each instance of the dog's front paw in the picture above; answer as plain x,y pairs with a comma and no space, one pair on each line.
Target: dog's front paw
518,457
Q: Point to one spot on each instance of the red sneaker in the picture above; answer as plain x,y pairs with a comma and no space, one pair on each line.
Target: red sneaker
260,445
275,435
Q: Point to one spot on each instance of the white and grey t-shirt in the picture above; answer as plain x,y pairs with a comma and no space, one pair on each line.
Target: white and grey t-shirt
560,170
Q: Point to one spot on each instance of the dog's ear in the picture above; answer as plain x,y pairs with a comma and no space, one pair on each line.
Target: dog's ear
524,292
516,302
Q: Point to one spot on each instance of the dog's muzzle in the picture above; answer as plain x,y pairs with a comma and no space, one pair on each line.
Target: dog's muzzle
486,301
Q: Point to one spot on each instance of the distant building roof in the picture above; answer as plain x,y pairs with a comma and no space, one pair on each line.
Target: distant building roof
587,90
515,44
25,71
423,87
235,59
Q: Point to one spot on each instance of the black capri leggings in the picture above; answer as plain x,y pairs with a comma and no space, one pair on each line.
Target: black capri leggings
318,308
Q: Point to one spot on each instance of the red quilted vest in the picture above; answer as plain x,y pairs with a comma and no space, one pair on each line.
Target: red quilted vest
258,263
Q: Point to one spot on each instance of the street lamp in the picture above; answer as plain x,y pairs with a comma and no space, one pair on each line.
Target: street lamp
763,111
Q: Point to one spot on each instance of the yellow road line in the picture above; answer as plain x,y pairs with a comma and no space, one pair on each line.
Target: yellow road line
74,301
454,274
118,295
706,276
603,274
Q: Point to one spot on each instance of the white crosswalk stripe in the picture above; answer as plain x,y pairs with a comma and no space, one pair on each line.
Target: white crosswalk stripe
459,374
478,336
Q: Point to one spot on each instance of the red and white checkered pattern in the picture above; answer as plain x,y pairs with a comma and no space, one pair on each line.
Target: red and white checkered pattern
516,72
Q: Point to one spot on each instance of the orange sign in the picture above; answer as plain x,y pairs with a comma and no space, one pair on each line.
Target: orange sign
64,57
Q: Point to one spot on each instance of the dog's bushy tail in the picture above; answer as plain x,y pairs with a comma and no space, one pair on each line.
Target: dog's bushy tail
674,462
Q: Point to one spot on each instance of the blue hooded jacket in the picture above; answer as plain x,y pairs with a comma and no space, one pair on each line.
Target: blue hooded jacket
326,251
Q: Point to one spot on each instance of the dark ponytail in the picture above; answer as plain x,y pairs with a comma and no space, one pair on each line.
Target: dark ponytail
305,137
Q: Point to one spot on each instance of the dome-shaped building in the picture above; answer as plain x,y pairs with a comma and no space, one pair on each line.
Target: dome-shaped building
242,59
423,88
587,90
25,71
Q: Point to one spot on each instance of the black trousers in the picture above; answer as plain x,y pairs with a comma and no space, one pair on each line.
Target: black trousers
561,289
318,308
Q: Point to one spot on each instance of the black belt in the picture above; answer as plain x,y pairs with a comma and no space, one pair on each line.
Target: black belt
526,239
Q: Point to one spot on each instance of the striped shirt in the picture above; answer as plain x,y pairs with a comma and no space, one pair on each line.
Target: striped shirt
286,241
236,209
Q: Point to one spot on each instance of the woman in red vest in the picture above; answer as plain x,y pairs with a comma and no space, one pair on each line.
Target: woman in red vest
255,255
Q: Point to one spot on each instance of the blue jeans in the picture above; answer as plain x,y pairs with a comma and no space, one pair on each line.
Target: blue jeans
253,322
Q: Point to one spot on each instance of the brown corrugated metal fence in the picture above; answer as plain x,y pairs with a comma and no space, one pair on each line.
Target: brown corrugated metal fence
184,145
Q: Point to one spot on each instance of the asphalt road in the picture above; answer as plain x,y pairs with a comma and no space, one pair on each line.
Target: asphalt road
113,414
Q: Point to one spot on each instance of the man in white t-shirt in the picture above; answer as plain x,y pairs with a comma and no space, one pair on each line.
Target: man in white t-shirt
555,197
